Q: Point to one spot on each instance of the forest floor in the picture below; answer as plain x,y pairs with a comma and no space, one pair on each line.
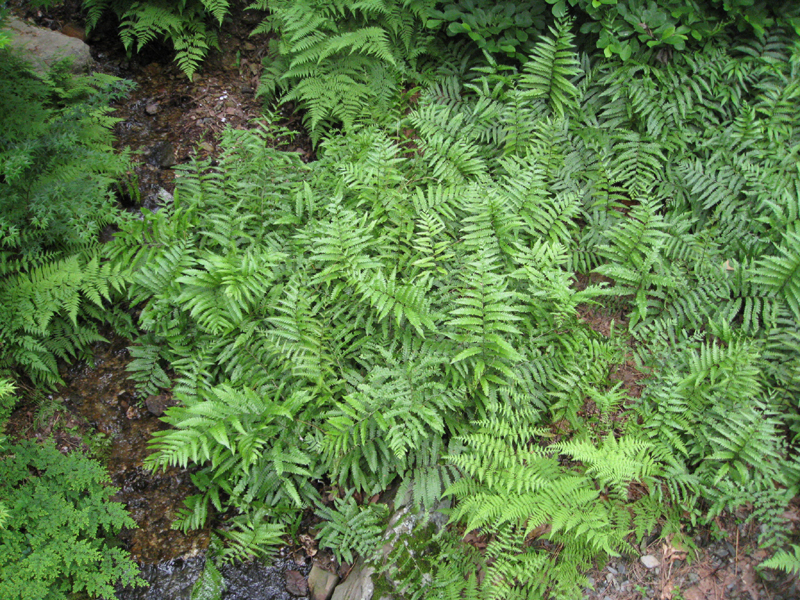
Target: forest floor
169,120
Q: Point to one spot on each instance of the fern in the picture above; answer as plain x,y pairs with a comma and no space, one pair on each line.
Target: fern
785,560
405,310
350,530
56,168
547,74
183,23
343,61
781,274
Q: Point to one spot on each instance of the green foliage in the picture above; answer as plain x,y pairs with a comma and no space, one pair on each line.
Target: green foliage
405,309
54,542
210,585
509,28
187,24
626,26
425,563
56,170
350,530
7,401
343,61
5,38
547,520
785,560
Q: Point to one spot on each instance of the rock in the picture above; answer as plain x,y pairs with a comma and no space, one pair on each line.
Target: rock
162,155
358,585
43,48
321,583
650,561
151,108
296,584
164,197
133,413
158,404
73,31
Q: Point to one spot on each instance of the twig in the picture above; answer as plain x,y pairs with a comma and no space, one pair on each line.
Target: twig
736,557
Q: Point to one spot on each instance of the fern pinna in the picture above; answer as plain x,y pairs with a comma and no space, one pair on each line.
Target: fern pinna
405,309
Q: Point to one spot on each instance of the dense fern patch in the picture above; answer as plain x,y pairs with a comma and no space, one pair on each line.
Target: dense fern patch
57,167
405,308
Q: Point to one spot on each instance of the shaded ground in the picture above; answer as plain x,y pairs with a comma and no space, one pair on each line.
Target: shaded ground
167,119
98,410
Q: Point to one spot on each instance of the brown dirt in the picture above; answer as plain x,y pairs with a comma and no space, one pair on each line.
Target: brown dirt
99,411
168,120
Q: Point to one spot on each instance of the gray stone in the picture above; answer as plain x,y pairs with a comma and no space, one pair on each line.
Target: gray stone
650,561
162,155
358,585
296,584
164,197
321,583
42,47
158,404
151,108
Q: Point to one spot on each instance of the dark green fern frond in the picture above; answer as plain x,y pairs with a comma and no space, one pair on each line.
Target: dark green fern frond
549,72
781,274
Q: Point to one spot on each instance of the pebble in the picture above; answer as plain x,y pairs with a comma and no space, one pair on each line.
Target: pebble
650,561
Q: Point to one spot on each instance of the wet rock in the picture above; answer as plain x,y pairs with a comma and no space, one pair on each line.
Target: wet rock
296,584
133,413
321,583
162,155
43,48
73,31
650,561
358,585
172,579
256,581
151,108
164,197
158,404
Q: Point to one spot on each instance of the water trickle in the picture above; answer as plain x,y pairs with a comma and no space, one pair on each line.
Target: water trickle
252,580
